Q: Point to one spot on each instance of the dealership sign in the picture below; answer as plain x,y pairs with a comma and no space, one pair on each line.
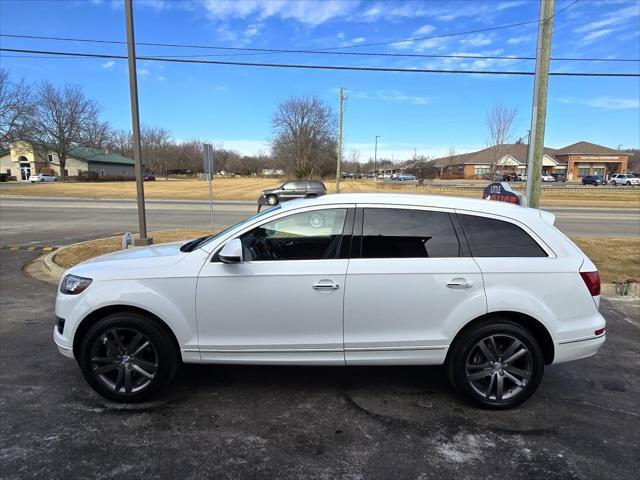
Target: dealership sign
502,192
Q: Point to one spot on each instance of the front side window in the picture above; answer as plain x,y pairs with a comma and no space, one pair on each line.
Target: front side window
289,186
489,237
404,233
311,235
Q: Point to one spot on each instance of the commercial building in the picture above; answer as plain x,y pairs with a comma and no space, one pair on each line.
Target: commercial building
575,161
23,159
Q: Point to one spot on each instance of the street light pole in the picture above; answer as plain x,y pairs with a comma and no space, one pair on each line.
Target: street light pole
135,125
338,164
539,107
375,158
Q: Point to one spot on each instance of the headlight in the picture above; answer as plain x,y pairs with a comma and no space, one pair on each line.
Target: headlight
73,285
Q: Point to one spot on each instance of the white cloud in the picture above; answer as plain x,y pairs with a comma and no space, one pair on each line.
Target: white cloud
593,36
253,30
304,11
518,40
143,71
424,30
221,88
359,40
612,18
388,96
604,103
507,5
477,40
108,65
161,78
397,96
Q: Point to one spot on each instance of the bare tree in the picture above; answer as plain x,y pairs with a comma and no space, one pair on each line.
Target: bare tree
121,142
305,136
61,117
156,145
500,124
16,109
97,134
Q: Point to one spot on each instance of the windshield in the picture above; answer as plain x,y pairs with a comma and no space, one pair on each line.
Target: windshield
198,242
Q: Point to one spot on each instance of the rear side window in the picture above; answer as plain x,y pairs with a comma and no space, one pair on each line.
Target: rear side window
489,237
398,233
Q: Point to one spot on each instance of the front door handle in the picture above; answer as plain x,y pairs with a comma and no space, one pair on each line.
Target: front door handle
325,285
459,283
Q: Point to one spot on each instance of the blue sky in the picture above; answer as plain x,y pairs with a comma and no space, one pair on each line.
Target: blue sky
432,113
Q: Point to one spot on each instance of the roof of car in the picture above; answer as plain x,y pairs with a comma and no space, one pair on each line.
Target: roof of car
438,201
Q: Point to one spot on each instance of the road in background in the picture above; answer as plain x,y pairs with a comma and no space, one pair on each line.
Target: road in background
61,221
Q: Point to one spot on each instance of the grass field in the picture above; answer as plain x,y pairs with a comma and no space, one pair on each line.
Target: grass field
616,258
251,189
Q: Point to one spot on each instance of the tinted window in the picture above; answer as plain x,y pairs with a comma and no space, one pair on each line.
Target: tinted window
289,186
489,237
398,233
303,236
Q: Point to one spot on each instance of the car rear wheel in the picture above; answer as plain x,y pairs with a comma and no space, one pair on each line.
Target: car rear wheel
614,183
497,365
126,357
272,200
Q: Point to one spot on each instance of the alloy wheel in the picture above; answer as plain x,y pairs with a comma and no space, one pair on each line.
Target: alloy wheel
499,367
124,360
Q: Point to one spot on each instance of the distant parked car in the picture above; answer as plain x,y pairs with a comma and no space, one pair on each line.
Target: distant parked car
510,177
560,177
522,177
346,175
594,180
407,178
548,178
624,179
291,190
42,177
149,178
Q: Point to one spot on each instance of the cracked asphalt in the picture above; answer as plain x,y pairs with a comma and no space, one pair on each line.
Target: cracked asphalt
233,422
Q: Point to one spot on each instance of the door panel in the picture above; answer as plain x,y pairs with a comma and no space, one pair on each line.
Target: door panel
270,312
402,311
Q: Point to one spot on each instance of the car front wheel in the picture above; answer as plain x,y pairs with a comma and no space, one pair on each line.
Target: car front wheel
126,357
272,200
497,365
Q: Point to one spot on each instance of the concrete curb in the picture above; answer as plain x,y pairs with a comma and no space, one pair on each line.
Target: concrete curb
56,270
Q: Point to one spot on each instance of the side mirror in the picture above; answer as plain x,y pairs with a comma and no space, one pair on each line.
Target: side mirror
231,252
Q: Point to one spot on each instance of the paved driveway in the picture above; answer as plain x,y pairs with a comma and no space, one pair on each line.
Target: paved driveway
290,422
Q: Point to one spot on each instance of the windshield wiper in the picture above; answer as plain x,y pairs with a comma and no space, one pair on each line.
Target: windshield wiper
193,244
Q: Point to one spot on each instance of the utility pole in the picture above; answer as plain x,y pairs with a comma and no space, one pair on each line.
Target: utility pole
338,173
375,158
539,108
135,126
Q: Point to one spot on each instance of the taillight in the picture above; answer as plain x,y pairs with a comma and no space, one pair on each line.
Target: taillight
599,332
592,281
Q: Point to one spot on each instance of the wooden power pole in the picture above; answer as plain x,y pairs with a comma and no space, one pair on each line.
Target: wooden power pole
338,166
135,126
539,109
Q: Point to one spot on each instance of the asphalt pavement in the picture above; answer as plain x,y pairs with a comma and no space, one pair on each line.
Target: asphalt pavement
241,422
61,221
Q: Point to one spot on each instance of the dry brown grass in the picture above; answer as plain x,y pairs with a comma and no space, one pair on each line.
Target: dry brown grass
84,251
617,259
251,189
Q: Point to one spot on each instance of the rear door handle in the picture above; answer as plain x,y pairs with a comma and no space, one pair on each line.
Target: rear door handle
325,285
459,283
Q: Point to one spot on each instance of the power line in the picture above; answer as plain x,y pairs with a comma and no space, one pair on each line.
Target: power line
260,51
316,67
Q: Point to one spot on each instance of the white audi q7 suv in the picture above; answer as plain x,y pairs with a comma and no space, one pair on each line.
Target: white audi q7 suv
492,291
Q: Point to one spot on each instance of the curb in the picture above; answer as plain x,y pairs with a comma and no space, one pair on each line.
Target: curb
56,270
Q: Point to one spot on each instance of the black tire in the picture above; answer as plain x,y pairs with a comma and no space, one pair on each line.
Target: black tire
628,184
584,183
105,347
614,183
465,358
272,200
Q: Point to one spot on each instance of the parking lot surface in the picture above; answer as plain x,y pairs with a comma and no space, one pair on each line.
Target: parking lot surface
307,422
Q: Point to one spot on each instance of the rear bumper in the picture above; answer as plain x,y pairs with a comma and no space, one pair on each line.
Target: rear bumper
568,350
